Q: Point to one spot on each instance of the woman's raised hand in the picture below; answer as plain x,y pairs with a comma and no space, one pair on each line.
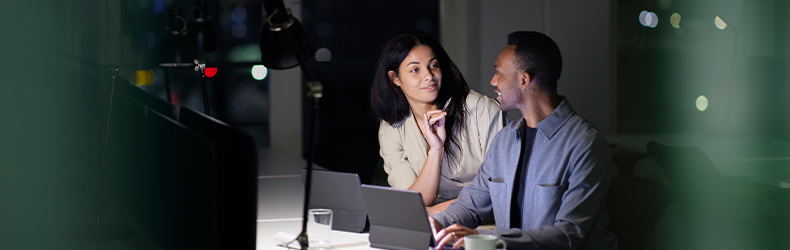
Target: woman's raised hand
433,128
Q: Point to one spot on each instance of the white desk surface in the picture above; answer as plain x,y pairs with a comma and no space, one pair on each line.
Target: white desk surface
267,230
280,199
273,162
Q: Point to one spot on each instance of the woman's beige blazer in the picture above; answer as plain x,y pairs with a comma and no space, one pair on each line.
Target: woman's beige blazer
404,149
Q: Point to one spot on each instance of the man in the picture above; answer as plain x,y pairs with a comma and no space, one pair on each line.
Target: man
545,176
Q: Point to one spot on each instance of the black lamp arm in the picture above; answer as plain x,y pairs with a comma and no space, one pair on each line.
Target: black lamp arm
316,93
276,11
201,67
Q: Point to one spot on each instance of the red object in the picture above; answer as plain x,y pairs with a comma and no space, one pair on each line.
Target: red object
210,72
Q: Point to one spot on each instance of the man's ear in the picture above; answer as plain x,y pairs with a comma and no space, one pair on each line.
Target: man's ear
394,77
526,79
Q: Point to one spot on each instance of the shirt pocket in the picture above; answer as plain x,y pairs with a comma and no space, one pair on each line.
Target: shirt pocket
549,198
498,191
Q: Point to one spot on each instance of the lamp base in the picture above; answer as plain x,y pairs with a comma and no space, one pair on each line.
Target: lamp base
303,241
101,232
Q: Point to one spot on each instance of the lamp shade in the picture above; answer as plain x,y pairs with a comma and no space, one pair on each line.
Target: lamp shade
174,49
277,49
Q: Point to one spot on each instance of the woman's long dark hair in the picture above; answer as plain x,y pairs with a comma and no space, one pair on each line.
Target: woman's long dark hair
388,101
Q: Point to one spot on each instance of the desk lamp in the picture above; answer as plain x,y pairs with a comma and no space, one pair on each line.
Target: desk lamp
174,49
284,44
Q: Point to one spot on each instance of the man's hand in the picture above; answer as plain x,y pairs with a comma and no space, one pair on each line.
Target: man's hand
435,226
454,232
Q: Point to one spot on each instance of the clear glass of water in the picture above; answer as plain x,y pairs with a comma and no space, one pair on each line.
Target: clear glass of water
319,228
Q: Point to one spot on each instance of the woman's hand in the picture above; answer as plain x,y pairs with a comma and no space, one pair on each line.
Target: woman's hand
432,128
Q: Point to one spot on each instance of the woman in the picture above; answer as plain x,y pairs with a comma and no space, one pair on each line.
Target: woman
436,152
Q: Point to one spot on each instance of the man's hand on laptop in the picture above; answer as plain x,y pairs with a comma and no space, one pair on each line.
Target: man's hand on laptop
449,234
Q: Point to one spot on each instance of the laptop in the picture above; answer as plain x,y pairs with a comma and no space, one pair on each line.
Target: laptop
398,219
340,193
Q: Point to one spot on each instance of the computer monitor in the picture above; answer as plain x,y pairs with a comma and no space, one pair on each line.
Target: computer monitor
170,188
150,100
237,178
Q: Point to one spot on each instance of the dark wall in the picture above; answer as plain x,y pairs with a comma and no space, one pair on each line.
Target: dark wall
354,31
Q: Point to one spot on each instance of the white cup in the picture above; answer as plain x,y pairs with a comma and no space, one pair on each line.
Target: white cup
319,228
483,242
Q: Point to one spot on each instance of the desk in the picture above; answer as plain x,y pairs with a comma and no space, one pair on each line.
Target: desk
267,230
278,163
281,197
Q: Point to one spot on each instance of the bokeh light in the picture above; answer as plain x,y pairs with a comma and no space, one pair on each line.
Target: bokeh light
259,72
159,7
211,72
720,23
643,17
245,53
674,20
239,14
323,55
648,19
702,103
144,77
652,20
239,30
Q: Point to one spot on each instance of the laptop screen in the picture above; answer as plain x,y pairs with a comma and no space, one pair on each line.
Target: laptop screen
340,193
398,219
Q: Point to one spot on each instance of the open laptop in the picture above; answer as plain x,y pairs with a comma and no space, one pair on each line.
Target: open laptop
340,193
398,219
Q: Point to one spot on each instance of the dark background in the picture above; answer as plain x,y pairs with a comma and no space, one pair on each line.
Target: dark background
54,88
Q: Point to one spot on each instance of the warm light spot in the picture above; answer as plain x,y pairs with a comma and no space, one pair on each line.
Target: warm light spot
143,77
153,76
211,72
323,55
702,103
674,20
259,72
720,23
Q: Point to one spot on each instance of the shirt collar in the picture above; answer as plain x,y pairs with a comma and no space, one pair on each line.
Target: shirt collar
552,123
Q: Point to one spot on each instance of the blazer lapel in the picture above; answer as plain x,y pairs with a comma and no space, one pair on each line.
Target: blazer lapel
417,148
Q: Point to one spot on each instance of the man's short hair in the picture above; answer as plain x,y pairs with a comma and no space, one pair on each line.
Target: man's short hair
537,55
